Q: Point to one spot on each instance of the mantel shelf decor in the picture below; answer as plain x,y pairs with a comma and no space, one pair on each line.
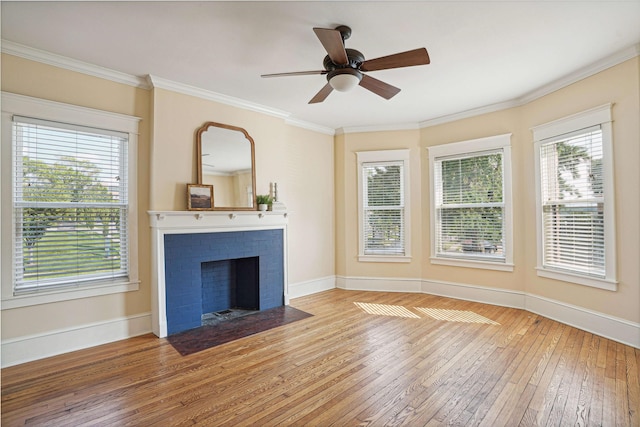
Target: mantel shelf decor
277,205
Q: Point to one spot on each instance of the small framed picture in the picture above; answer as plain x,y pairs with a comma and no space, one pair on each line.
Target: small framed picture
199,197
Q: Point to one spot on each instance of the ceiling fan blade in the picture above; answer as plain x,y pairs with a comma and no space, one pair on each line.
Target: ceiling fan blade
296,73
322,95
379,87
332,42
398,60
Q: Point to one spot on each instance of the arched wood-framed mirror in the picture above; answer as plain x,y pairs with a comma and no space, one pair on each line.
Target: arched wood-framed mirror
226,160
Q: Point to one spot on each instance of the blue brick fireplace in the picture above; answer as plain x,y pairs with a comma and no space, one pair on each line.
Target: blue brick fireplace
208,272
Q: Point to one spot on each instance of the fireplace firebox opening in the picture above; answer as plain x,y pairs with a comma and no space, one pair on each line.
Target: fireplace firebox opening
230,289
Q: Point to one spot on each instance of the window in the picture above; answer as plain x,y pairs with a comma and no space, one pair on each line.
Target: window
471,203
575,199
383,189
70,219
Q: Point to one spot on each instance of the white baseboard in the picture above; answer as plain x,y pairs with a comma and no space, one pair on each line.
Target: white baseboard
495,296
601,324
34,347
309,287
380,284
607,326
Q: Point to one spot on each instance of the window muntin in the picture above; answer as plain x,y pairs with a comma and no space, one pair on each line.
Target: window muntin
70,205
575,199
383,201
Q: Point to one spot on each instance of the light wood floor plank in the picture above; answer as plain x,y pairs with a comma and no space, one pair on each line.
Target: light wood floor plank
633,384
422,360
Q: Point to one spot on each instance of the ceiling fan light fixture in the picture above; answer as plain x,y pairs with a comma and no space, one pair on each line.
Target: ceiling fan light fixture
345,79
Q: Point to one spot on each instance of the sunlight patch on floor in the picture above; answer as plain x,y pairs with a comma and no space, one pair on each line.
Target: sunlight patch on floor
455,315
434,313
386,310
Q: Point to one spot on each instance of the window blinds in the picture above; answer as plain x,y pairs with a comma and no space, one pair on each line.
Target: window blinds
70,204
573,202
383,190
469,205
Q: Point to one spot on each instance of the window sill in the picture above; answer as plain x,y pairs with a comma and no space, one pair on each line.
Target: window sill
468,263
384,258
59,295
594,282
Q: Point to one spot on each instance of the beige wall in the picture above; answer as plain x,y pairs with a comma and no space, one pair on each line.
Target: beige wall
34,79
299,160
306,186
618,85
176,119
347,146
498,123
342,204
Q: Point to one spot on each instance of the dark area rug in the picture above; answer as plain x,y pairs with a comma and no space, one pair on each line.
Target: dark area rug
198,339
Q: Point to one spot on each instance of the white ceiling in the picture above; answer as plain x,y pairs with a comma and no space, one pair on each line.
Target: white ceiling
482,52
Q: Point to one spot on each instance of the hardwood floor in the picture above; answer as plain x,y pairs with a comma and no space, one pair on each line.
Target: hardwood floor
364,358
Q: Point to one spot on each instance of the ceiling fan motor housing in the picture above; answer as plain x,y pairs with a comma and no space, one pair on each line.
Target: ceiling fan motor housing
355,58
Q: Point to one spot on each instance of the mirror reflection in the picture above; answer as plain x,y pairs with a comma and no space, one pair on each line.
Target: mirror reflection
226,161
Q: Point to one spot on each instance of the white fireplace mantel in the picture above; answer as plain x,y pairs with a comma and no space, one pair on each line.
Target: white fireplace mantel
184,222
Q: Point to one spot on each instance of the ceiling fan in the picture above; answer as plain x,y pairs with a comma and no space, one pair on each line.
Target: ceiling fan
344,67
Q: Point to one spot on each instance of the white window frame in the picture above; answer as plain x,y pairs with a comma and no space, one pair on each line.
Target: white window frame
596,116
364,157
13,104
471,147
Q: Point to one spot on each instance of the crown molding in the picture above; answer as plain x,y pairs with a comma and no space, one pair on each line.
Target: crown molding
588,71
150,81
468,113
310,126
161,83
64,62
377,128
